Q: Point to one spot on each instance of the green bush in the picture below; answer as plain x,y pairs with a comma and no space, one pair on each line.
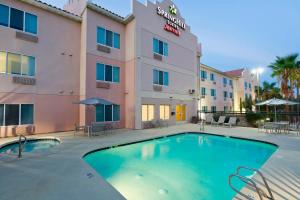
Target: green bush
253,117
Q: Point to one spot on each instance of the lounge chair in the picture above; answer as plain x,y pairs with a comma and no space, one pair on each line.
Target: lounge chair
221,121
208,118
232,122
295,127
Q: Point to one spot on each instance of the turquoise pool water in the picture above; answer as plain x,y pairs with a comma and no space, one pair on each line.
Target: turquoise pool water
188,166
38,145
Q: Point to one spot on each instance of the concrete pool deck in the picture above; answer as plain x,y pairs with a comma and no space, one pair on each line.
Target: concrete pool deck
61,173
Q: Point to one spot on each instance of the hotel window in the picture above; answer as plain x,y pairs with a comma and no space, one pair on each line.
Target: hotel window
214,109
164,112
204,108
12,63
107,113
213,92
203,91
203,74
246,96
225,94
212,77
160,77
108,38
231,95
107,73
147,113
225,108
18,19
15,114
246,85
224,81
250,86
230,83
160,47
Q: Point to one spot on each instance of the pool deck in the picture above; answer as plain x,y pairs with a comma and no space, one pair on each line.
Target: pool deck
62,174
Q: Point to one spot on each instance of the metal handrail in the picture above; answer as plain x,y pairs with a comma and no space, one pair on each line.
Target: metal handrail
21,146
262,177
246,180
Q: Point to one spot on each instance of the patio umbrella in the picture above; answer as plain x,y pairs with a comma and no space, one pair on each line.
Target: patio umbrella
94,101
276,102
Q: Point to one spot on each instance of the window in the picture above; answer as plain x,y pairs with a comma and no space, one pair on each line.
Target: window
203,91
231,95
164,112
15,114
108,38
246,85
30,23
4,12
107,73
17,64
250,86
15,19
225,94
214,109
160,47
212,77
204,108
160,78
147,113
213,92
2,62
230,83
246,96
1,114
26,114
225,108
203,74
224,81
107,113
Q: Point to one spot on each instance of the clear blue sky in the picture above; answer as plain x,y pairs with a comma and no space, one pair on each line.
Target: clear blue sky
235,33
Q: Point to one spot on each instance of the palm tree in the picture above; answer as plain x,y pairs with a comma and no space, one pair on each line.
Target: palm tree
295,78
269,91
282,68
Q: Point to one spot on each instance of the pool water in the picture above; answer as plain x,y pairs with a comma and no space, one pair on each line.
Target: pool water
39,145
188,166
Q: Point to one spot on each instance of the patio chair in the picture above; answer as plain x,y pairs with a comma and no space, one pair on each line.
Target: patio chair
97,128
208,118
232,122
295,127
221,121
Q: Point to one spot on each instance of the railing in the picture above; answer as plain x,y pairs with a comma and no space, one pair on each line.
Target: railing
21,146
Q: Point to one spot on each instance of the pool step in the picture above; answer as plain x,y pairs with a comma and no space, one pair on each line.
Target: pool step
259,193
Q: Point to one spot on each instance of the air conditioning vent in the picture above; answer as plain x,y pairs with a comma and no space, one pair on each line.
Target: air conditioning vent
202,79
214,82
192,91
203,97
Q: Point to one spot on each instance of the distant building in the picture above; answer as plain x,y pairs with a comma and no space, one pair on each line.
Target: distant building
224,91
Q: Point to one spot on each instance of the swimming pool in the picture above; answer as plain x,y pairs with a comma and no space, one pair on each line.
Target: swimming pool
32,145
187,166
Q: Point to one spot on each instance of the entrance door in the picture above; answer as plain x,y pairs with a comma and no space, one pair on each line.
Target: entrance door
180,112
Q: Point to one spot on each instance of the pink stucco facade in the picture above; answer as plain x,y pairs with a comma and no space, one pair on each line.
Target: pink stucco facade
66,55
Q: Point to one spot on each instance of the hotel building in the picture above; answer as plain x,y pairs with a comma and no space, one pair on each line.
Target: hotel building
225,91
146,64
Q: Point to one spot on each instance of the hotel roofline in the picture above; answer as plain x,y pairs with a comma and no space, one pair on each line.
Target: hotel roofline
216,70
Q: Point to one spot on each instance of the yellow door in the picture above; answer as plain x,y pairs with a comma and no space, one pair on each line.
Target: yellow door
178,113
183,113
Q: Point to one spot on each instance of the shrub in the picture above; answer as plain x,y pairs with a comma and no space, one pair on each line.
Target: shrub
194,120
253,117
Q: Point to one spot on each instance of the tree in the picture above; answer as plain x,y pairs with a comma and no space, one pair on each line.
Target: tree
248,103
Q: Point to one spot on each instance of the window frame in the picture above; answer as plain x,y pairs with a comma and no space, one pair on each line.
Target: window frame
165,52
113,38
212,77
112,73
164,117
20,114
148,120
204,74
21,74
112,114
213,94
24,20
203,89
163,77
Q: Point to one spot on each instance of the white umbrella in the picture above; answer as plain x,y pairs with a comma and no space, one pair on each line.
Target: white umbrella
276,102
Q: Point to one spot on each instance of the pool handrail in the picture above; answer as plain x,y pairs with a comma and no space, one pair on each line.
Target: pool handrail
21,146
262,177
247,181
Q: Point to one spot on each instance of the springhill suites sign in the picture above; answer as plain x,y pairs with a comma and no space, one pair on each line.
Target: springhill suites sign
173,24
